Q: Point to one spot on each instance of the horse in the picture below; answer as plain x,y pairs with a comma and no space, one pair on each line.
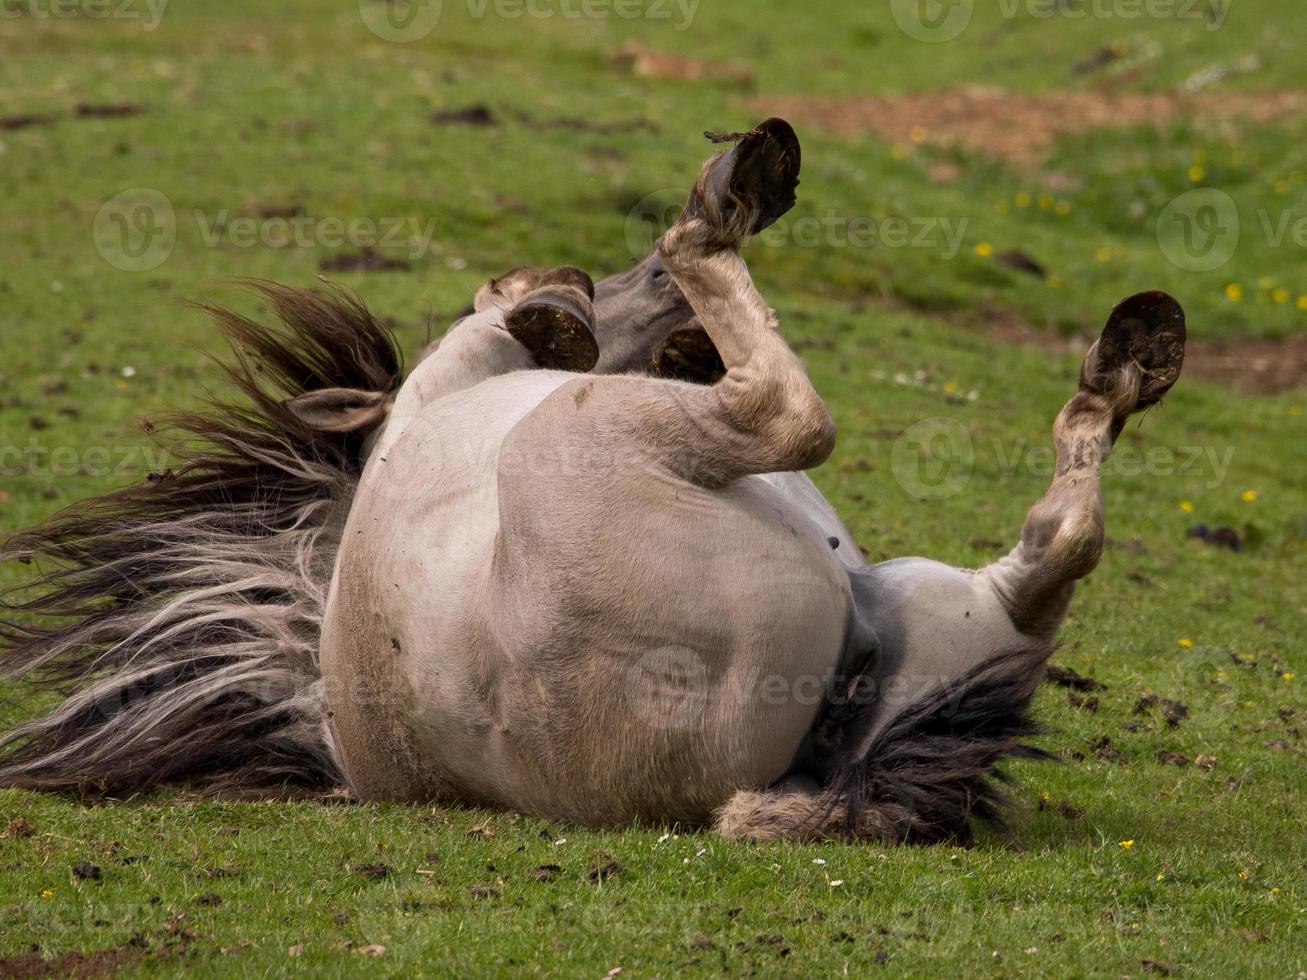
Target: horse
571,566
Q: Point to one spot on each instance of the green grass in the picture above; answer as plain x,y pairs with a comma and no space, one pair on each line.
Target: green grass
249,105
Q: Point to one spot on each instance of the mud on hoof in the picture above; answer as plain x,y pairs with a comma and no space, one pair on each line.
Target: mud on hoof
1144,339
748,187
556,325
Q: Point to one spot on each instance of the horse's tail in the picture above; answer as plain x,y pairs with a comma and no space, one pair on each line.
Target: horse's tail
180,617
926,776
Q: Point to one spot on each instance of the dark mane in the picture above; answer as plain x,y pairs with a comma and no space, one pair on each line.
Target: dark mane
180,615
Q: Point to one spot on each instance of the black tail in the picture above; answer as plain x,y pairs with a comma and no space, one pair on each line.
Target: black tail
183,613
926,777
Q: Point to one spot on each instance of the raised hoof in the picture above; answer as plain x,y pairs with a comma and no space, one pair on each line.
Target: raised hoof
516,284
689,355
1147,331
747,188
555,325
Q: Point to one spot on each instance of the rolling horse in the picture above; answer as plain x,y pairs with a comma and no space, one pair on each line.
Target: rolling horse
570,565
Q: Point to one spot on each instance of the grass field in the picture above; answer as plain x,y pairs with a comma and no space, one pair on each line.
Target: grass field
1154,848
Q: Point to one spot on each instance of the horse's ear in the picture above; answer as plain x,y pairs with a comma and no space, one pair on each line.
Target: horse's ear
341,409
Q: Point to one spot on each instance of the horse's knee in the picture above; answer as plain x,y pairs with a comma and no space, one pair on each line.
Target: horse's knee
1065,542
786,415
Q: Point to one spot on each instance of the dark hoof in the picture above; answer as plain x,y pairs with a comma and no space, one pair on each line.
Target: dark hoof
570,275
1147,330
752,184
555,325
689,354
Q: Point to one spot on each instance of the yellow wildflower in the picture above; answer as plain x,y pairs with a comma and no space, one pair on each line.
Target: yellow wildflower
1243,875
1234,292
1104,253
984,250
1023,200
47,894
1248,496
1062,208
1186,506
1287,676
1281,296
1197,172
1127,844
1002,207
1186,643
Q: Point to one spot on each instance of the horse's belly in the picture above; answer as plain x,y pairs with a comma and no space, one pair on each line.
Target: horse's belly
667,644
626,646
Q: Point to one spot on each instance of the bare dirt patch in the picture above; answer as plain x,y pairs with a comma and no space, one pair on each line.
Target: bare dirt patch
646,62
1016,126
98,963
1255,365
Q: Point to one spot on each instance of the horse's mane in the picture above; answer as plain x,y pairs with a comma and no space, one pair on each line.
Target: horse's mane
180,616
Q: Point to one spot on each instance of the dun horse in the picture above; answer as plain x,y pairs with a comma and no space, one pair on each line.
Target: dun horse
569,566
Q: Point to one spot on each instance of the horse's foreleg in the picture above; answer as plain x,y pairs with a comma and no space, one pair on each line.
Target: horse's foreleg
1130,368
526,318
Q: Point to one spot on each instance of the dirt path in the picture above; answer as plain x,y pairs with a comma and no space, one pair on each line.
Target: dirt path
1255,365
1015,126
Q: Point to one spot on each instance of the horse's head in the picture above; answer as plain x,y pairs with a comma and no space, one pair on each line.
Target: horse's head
644,325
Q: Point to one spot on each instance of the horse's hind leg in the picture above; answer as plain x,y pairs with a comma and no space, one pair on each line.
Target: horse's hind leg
763,416
1134,363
